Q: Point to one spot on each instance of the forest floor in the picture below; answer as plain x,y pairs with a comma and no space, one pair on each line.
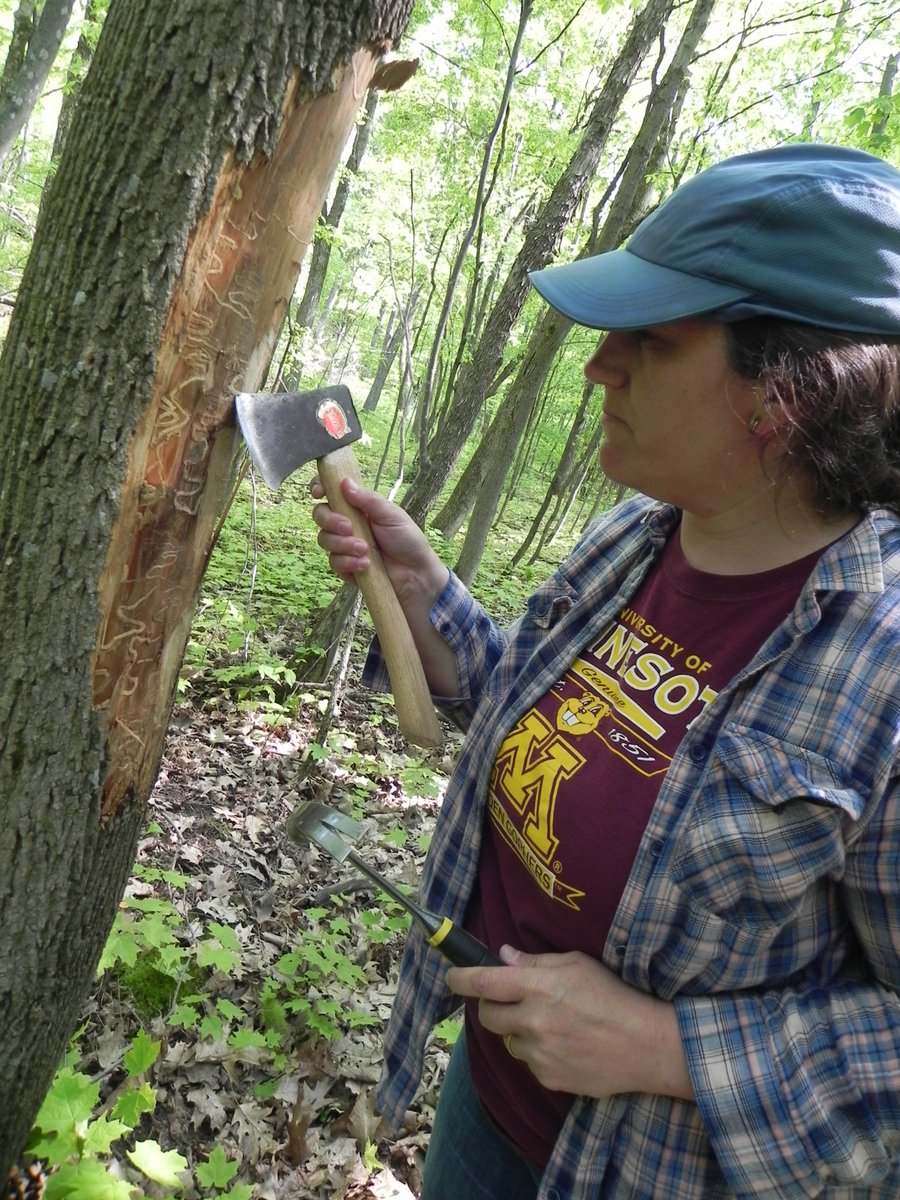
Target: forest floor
286,1093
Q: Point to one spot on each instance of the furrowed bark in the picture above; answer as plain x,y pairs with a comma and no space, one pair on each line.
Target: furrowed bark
204,142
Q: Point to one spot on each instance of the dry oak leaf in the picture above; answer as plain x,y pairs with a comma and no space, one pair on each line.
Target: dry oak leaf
390,76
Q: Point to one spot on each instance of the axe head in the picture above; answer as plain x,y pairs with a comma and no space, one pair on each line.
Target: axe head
284,430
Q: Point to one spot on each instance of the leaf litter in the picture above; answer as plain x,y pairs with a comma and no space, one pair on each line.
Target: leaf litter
277,1073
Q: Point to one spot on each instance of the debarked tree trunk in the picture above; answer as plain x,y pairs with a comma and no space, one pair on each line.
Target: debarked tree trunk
168,247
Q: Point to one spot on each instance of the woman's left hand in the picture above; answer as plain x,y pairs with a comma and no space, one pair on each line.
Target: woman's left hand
578,1027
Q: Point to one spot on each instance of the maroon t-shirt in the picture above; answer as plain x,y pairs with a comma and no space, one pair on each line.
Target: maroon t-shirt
574,784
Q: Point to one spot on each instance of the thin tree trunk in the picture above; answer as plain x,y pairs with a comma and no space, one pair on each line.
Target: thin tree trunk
331,218
26,72
392,342
885,91
563,497
563,469
204,142
463,249
538,247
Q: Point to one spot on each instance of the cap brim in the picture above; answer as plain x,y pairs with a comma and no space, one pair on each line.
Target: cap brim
619,290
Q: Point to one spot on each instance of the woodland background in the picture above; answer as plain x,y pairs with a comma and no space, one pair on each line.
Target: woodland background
232,1039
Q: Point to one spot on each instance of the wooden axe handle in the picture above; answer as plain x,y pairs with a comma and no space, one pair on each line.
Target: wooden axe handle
412,699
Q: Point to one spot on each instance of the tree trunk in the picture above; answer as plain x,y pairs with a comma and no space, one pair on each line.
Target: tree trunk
168,245
331,218
390,349
32,52
478,208
513,414
562,494
539,245
885,92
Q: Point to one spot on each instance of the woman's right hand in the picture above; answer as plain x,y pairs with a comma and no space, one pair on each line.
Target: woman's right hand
415,571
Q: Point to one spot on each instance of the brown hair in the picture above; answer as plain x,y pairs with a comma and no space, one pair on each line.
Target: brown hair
839,396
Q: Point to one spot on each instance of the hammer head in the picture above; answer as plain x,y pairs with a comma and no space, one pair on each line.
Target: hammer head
284,430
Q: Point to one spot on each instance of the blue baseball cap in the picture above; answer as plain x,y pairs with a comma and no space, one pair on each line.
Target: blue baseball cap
810,233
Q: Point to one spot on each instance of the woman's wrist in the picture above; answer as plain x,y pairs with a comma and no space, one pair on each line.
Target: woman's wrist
422,585
659,1053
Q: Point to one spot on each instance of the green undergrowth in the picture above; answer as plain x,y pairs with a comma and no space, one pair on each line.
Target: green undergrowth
175,968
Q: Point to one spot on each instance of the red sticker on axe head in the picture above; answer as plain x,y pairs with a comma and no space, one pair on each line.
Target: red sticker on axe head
333,419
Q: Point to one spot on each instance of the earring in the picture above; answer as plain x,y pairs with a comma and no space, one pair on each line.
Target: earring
754,423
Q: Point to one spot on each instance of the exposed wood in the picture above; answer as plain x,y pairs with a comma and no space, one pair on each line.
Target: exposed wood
239,271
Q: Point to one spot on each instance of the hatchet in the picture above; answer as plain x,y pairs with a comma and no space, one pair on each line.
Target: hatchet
284,430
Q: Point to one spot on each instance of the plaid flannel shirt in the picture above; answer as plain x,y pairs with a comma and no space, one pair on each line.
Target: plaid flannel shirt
764,900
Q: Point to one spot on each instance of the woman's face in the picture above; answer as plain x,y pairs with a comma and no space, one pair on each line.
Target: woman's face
675,416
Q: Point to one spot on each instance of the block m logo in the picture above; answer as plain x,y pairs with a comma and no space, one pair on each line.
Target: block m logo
531,764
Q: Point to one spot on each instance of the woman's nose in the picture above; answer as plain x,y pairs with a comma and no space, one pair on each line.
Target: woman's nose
607,364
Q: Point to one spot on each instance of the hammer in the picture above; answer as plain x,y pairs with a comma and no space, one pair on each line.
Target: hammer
283,431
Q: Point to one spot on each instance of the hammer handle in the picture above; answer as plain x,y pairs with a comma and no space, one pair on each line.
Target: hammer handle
412,698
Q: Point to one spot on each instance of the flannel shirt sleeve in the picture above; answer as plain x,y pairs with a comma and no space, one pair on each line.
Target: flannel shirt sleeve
797,1087
476,640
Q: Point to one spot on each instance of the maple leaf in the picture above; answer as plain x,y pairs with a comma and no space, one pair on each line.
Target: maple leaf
162,1166
141,1055
218,1171
71,1100
102,1133
134,1102
89,1179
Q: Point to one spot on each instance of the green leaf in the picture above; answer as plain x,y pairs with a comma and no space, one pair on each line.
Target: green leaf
225,934
229,1010
211,1028
121,946
448,1031
142,1054
274,1013
221,951
171,961
184,1016
267,1089
162,1166
370,1158
86,1180
56,1148
102,1133
240,1191
246,1037
71,1099
217,1171
356,1019
133,1103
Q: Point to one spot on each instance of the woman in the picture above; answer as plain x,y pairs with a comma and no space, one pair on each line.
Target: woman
676,815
